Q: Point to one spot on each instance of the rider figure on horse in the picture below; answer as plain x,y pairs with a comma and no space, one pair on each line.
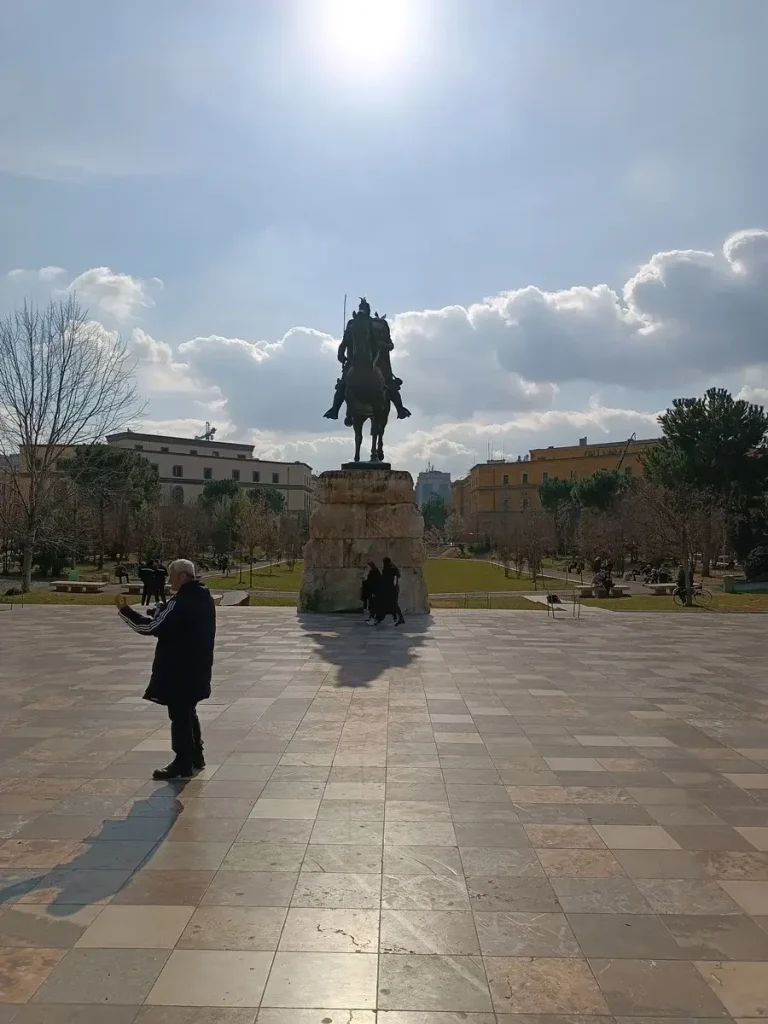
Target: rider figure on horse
378,329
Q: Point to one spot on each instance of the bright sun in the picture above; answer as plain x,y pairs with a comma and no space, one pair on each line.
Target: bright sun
366,34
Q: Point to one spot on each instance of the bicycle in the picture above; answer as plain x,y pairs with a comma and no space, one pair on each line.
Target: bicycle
701,597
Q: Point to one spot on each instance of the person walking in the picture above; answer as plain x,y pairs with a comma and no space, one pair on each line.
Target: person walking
159,577
185,629
390,593
370,591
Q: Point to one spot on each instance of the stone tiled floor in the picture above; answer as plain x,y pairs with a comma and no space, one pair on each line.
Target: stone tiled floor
490,817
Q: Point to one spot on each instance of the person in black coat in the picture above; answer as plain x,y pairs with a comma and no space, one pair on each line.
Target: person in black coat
145,574
185,629
370,590
390,593
159,577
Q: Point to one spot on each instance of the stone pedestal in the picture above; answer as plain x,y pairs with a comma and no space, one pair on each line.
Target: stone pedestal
361,515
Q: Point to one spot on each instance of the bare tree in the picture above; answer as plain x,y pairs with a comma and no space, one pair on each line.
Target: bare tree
252,527
64,381
455,530
680,519
537,537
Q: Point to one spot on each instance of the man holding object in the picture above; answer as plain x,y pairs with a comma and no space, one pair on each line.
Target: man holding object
185,629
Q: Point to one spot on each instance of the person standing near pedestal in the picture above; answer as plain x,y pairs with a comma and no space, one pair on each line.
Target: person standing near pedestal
185,629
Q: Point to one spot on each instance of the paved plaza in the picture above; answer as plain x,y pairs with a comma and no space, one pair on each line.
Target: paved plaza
488,817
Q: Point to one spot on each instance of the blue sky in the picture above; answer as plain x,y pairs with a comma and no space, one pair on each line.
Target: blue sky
212,178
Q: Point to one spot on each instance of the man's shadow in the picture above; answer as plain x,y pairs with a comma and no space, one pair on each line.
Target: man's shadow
157,815
360,653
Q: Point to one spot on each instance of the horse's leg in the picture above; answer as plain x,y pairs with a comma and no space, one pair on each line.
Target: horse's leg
373,439
358,425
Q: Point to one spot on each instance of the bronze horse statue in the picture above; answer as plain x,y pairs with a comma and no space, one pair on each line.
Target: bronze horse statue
367,397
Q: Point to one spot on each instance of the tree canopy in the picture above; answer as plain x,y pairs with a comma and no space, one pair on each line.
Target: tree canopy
435,512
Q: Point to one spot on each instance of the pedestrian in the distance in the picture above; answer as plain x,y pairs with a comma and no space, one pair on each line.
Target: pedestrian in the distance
147,577
185,629
390,593
159,577
370,591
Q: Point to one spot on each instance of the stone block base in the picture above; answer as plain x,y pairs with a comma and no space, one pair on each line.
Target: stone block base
360,516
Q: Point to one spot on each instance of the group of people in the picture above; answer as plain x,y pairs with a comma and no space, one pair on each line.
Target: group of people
381,593
153,575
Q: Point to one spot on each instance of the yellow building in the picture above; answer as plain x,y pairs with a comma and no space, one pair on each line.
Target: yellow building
497,488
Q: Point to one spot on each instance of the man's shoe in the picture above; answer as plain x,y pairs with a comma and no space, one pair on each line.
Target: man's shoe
198,762
331,415
173,771
403,414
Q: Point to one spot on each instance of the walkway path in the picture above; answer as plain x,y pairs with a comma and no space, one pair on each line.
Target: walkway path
488,812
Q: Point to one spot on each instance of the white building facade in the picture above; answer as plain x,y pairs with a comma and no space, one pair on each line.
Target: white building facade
186,465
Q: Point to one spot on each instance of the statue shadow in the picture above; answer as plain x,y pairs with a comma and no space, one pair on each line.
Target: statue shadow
111,857
362,654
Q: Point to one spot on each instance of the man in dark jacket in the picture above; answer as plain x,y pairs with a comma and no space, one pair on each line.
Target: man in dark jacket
185,629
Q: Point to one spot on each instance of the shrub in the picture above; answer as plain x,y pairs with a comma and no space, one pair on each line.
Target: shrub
756,565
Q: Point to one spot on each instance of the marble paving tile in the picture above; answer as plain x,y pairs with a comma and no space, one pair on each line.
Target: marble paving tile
434,826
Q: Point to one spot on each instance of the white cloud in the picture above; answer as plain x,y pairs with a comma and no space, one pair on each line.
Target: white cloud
119,295
41,274
682,318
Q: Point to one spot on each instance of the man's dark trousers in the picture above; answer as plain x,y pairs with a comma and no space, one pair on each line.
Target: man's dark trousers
186,736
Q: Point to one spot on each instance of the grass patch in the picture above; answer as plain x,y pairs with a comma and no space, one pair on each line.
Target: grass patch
511,603
458,575
51,597
443,575
280,578
651,603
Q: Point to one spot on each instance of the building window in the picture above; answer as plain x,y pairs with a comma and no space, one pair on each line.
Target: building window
506,479
524,503
139,447
154,465
256,476
545,476
193,451
235,474
216,454
177,495
207,473
275,478
573,474
525,478
61,464
165,450
628,471
241,456
505,504
178,471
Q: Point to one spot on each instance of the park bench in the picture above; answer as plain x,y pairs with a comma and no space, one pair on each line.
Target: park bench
619,590
77,587
661,588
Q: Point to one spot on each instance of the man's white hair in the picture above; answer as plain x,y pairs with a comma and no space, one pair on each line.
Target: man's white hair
183,566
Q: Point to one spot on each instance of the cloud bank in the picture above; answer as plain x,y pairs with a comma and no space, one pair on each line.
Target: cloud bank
523,367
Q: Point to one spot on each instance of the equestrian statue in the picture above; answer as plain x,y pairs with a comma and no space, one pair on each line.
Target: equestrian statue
367,383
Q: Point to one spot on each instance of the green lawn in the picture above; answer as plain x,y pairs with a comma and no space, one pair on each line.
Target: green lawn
459,575
51,597
657,603
280,578
443,575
